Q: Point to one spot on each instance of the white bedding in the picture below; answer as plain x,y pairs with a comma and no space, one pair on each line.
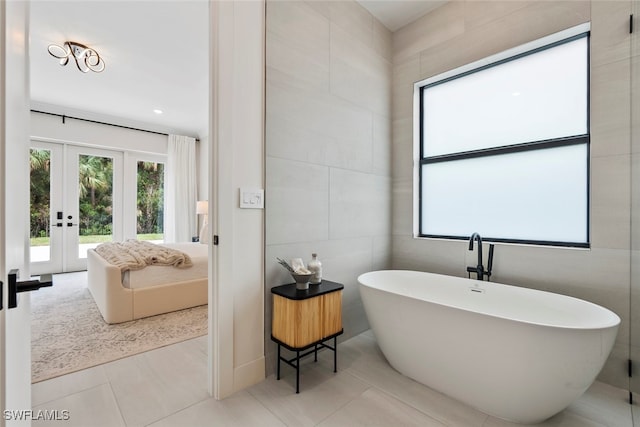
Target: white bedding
159,275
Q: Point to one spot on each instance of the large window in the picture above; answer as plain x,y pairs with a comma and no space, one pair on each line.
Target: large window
504,146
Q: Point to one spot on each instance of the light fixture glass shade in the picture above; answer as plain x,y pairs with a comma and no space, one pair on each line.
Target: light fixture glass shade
87,59
202,207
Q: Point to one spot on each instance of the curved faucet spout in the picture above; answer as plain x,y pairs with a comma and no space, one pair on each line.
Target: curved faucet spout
479,266
476,236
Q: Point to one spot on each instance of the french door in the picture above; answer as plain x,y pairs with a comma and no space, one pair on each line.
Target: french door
76,204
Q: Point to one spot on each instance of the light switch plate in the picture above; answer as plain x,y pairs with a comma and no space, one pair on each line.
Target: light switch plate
251,198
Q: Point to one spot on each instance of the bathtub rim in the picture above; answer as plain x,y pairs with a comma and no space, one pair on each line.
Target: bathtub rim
613,320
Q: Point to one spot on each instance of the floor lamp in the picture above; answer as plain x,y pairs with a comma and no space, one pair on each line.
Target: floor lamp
202,208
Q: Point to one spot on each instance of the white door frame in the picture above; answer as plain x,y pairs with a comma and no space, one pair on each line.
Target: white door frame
3,264
15,381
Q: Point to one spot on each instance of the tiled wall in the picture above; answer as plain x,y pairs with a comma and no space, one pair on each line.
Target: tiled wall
464,31
328,147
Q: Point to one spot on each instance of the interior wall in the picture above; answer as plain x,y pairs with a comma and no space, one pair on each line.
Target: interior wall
465,31
328,147
237,153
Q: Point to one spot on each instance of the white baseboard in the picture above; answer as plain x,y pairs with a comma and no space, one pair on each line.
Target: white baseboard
249,374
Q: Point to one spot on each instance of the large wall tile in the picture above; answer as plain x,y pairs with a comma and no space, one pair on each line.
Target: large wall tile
405,74
358,73
317,127
635,39
297,196
295,142
299,23
402,207
320,6
441,25
483,13
382,40
321,113
354,19
381,145
402,165
432,255
610,109
635,206
381,259
360,204
302,67
635,102
610,41
610,203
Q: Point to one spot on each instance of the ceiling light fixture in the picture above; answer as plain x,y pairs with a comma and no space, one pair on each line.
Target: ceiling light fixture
157,111
86,58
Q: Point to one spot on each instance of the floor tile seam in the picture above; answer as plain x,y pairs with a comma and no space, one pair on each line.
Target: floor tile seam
401,399
71,394
178,411
115,399
446,423
369,387
261,403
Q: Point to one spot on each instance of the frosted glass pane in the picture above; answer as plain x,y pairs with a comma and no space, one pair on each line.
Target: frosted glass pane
535,195
537,97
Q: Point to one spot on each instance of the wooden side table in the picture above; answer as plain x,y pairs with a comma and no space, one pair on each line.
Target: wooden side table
306,320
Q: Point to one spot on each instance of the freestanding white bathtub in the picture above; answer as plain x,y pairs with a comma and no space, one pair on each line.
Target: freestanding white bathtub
515,353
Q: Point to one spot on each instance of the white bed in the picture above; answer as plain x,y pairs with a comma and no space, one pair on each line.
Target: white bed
153,290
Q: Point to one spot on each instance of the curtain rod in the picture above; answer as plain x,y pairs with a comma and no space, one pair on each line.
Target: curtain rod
64,116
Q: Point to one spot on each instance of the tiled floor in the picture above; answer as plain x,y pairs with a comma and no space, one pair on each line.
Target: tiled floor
167,387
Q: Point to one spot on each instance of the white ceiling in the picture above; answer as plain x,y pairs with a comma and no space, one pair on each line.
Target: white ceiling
156,56
395,14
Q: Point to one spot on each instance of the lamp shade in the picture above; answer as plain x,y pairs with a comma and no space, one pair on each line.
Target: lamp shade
202,207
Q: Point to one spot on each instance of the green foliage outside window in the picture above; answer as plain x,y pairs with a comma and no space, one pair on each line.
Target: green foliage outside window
95,195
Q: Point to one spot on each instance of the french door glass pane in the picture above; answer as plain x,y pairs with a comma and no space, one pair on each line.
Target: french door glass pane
40,202
95,194
150,201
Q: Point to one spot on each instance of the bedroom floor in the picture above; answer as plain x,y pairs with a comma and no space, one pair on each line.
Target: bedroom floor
167,387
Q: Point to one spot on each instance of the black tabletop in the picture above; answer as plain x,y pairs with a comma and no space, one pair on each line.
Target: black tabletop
290,292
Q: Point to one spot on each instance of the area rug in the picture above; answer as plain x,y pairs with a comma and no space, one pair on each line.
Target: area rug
68,333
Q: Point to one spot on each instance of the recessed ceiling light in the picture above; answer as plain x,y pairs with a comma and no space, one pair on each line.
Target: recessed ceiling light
157,111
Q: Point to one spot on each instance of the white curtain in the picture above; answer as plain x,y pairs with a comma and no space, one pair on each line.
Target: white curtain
180,223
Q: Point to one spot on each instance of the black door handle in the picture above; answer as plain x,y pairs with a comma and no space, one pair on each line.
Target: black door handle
15,287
